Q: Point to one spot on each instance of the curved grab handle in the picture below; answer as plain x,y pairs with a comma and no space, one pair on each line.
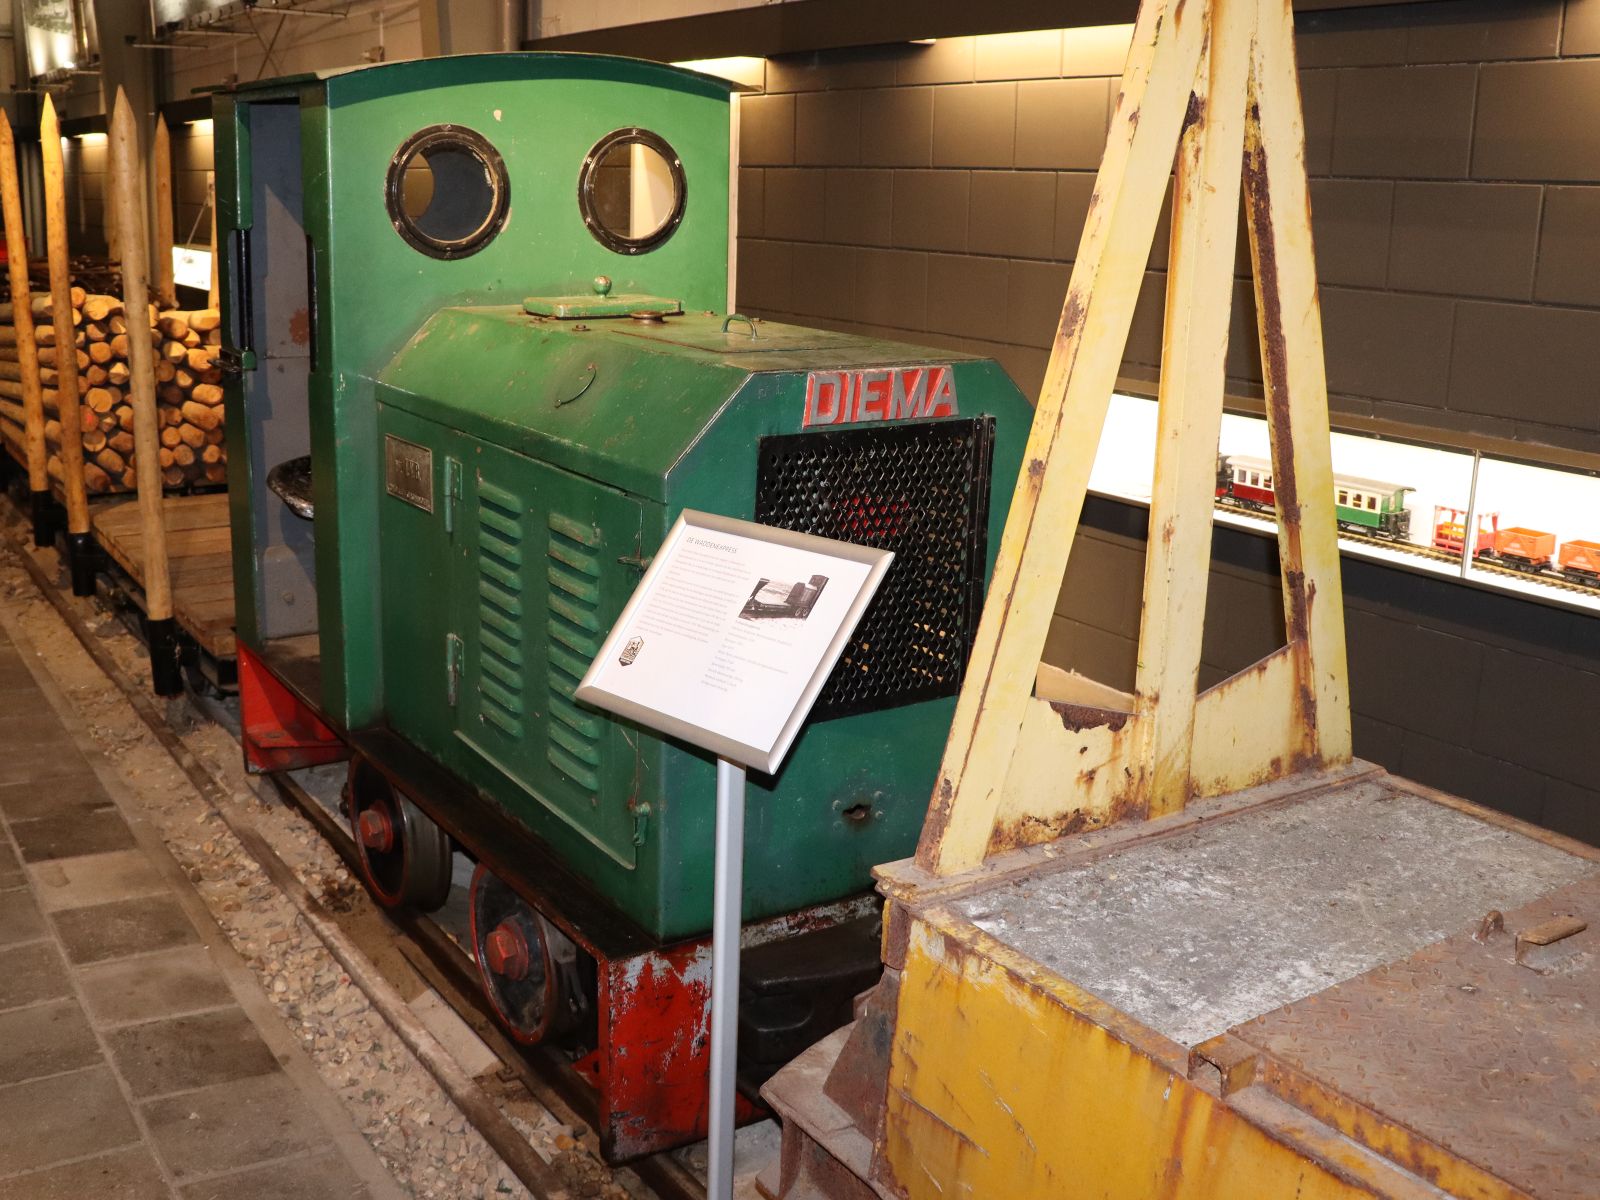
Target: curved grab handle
732,317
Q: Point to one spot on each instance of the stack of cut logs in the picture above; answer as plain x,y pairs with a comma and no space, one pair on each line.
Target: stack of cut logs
188,391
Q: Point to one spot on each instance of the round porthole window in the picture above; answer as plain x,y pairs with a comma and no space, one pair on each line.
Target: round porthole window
631,191
447,191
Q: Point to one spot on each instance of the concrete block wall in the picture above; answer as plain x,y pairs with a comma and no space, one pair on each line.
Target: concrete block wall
191,165
1473,692
84,168
938,192
85,163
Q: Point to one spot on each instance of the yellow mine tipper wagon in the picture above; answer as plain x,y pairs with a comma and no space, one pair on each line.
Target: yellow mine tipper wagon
1331,987
1179,944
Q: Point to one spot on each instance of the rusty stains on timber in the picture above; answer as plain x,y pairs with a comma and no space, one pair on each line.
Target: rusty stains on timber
1077,717
934,826
1298,620
1131,802
1274,352
1275,370
1071,317
1033,830
1188,1097
896,936
1195,116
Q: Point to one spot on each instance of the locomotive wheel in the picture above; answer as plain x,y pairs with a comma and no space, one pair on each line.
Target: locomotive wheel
524,963
405,857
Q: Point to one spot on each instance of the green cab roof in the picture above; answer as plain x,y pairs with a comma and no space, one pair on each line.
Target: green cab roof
418,74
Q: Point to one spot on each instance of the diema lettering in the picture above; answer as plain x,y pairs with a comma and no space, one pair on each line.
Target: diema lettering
879,394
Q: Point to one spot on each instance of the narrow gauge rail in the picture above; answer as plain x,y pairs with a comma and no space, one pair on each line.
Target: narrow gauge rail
1480,564
546,1078
448,967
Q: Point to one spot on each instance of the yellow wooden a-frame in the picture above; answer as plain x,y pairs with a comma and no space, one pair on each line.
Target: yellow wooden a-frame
1214,84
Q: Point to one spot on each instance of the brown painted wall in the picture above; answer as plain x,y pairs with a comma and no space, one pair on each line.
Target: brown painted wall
938,193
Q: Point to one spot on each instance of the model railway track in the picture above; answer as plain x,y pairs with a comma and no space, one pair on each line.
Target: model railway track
545,1077
1550,579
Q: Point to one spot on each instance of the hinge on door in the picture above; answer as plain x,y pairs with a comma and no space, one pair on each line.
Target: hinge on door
234,362
452,668
452,493
638,560
641,820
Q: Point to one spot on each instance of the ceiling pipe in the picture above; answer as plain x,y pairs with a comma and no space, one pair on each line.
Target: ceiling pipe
511,24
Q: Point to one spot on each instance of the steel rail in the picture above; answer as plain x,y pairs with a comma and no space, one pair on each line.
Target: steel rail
447,968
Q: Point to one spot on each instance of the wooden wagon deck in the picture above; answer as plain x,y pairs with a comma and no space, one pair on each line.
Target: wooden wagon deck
201,558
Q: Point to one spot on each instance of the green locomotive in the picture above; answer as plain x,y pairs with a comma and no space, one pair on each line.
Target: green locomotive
477,314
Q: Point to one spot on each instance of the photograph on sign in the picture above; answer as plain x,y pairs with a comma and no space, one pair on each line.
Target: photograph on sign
732,633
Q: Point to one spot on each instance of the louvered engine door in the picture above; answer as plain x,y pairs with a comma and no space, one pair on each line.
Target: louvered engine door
541,583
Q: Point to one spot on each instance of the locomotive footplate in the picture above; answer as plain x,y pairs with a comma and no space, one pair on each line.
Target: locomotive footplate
795,991
646,1049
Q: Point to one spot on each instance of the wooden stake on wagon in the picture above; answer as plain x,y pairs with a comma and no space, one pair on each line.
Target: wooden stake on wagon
126,185
166,291
27,344
80,543
215,299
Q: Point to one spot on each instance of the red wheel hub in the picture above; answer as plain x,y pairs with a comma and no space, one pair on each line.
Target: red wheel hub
507,951
377,830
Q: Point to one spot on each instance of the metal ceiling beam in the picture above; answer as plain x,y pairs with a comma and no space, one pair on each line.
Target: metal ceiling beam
803,26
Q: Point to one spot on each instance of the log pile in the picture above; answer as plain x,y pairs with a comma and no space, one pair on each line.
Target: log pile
188,391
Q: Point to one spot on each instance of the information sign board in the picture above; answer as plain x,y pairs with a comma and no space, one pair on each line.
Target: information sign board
731,634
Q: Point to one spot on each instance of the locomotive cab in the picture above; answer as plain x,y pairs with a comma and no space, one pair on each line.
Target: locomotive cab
478,310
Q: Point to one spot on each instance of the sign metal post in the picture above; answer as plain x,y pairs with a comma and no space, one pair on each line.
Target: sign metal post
727,897
726,644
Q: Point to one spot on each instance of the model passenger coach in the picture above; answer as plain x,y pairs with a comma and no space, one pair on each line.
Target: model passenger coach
466,409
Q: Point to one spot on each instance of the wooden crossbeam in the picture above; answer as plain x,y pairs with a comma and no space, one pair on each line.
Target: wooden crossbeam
1210,84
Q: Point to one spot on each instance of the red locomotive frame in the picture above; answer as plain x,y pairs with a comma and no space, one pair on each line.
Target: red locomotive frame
649,1047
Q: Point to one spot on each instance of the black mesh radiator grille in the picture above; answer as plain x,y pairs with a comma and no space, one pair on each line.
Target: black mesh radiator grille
921,491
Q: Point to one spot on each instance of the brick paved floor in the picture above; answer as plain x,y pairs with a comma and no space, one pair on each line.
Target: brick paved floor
130,1065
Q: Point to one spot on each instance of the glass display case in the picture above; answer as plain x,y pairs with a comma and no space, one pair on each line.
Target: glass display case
1536,527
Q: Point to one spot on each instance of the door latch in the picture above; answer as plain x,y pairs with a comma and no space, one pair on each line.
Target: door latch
452,668
452,493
